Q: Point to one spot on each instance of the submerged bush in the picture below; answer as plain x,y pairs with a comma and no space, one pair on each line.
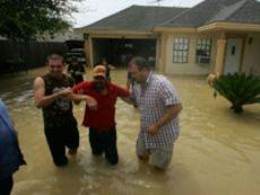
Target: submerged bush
239,89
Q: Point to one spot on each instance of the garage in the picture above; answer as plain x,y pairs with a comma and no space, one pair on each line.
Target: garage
118,51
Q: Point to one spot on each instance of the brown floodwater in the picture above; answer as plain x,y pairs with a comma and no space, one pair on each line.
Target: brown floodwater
217,153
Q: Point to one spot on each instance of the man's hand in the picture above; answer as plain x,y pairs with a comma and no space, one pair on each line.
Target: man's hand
43,100
91,102
153,129
66,92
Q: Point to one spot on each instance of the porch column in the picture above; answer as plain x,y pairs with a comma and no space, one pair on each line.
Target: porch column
166,52
158,54
88,49
220,56
162,52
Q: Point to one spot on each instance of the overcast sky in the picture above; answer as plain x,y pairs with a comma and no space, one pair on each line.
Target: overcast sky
93,10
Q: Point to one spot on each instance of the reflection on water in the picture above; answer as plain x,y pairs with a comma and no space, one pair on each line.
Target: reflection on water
218,152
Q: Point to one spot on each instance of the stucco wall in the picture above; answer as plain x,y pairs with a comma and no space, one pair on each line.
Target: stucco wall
251,62
190,68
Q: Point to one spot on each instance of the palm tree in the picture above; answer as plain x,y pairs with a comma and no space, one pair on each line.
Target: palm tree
239,89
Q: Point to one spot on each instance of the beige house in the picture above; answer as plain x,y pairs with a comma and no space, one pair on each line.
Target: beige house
215,36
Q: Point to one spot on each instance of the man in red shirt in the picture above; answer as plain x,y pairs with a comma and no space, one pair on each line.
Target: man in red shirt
101,120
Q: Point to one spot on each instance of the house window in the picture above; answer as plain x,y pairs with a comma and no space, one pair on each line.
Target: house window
180,50
203,51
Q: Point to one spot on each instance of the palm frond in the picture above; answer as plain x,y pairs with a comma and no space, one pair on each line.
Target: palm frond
239,89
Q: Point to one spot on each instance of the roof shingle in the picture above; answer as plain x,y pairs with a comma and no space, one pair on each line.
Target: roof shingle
210,11
136,18
144,18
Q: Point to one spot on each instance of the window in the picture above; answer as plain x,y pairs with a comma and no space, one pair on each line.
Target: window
180,50
203,51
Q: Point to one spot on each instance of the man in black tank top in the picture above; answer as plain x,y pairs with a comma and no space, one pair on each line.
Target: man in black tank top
52,93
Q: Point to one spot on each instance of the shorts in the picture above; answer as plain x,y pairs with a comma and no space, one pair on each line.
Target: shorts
158,157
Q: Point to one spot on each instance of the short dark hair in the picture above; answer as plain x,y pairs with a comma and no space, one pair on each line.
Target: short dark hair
141,63
55,56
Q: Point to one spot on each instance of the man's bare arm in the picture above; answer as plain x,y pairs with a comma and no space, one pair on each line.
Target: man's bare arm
90,101
128,100
41,100
171,113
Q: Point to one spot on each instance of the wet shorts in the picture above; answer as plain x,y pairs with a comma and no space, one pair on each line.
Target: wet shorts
158,157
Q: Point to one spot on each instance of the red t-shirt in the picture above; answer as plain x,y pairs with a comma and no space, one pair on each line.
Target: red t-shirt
104,117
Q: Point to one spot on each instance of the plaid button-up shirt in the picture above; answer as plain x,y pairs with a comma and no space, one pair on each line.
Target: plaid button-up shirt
152,100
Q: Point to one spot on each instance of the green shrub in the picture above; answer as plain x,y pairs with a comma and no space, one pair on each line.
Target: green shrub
239,89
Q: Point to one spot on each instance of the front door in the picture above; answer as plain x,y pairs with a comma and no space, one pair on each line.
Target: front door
233,56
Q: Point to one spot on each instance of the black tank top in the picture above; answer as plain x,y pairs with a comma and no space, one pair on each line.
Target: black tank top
61,108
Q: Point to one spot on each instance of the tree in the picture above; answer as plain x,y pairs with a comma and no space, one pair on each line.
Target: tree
239,89
23,20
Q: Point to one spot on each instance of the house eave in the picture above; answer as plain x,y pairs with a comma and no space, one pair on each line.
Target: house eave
175,29
116,32
229,26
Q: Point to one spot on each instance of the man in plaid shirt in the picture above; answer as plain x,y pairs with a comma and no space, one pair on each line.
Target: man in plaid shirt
159,107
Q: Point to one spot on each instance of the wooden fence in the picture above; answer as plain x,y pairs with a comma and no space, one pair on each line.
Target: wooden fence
22,56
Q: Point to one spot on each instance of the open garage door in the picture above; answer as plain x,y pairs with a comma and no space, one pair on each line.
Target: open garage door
118,51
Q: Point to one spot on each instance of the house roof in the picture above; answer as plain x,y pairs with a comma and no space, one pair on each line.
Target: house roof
209,11
248,13
136,18
145,18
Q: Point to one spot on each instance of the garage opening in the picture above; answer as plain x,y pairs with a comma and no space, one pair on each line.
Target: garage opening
118,51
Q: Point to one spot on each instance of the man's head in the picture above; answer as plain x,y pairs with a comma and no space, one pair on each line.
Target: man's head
56,64
139,69
99,77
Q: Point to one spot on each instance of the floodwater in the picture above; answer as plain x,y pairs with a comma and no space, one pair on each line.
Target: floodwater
217,153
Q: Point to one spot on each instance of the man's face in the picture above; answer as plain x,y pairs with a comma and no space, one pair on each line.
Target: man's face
56,67
136,74
100,83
